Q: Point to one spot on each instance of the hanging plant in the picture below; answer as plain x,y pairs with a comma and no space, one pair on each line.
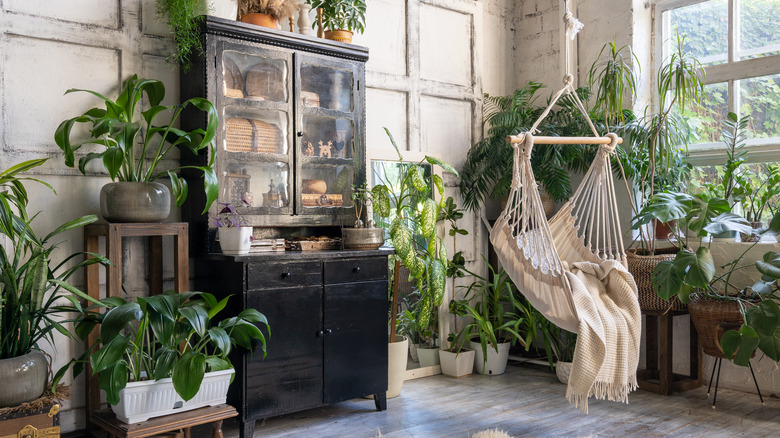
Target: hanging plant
183,18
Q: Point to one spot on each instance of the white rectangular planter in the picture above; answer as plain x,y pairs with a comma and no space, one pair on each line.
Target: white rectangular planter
140,401
457,365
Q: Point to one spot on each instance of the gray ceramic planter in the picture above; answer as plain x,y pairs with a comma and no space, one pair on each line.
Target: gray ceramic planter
23,378
135,202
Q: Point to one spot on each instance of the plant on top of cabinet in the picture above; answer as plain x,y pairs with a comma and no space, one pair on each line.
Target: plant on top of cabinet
266,12
341,18
365,235
30,289
134,148
182,17
168,336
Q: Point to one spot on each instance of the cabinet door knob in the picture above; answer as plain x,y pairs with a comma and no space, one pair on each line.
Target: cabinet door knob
320,333
356,269
300,133
328,331
286,274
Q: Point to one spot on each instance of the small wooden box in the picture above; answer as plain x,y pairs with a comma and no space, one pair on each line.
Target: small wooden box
44,422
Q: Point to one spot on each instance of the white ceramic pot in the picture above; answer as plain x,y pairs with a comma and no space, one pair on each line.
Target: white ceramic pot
227,9
428,356
235,240
457,364
563,370
495,363
140,401
396,366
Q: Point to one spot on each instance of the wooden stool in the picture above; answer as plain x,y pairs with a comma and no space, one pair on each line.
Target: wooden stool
172,425
114,233
659,377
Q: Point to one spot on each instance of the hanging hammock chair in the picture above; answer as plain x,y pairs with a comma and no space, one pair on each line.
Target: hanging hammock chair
572,269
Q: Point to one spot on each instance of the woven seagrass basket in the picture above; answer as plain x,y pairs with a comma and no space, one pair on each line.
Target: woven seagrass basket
641,267
246,135
712,318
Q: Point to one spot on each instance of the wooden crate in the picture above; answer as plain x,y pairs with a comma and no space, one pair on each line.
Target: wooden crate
40,423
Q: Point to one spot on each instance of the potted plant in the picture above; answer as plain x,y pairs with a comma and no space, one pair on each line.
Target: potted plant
760,191
341,18
456,360
164,354
266,13
492,324
30,289
234,236
135,147
364,235
183,18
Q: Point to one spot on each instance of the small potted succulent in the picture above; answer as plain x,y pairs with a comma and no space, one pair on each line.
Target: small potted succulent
235,237
266,13
341,18
364,235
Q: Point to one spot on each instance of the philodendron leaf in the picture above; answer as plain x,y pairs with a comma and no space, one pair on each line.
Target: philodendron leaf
109,354
699,265
739,345
117,318
428,218
763,287
770,266
381,200
774,226
667,279
728,222
188,374
416,178
765,319
704,210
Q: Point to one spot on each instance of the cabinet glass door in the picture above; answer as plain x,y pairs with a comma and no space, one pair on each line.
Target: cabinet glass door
326,136
254,158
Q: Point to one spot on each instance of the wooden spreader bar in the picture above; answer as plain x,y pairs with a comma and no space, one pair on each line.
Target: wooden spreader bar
562,140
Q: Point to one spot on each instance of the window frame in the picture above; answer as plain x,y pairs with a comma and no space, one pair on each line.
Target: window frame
731,71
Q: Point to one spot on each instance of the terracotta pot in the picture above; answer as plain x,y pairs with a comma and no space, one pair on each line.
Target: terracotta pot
340,35
664,230
264,20
24,378
135,202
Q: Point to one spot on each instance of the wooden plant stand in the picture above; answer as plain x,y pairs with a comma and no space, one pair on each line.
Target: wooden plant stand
114,233
659,377
178,424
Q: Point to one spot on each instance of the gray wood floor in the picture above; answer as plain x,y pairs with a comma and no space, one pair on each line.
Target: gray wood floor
527,401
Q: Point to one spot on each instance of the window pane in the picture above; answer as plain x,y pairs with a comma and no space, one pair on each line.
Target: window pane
758,36
760,99
705,27
705,121
750,186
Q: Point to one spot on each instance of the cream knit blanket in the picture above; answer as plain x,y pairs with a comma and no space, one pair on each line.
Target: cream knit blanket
610,325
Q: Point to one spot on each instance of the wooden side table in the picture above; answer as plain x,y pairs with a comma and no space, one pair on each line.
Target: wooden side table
659,376
107,421
114,233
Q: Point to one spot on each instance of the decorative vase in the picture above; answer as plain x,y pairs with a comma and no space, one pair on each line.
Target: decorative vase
135,202
428,356
340,35
457,364
140,401
304,22
24,378
227,9
264,20
361,238
563,370
235,240
396,366
495,363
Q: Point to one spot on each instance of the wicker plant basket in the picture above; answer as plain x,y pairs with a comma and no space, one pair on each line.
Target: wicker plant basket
712,318
641,267
246,135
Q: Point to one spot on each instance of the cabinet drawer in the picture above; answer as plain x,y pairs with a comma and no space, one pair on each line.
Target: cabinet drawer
283,274
349,270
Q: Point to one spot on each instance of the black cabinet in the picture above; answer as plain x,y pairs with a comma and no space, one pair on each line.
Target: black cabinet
291,134
328,317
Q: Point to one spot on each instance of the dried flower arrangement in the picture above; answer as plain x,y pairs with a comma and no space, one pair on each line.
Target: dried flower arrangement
277,9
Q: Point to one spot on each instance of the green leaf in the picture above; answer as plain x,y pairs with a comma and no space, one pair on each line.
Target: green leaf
221,339
392,141
114,380
428,218
444,165
218,364
765,319
667,280
188,374
113,158
728,222
109,353
774,225
704,210
381,200
416,178
438,282
739,345
197,317
439,183
770,266
700,266
402,241
165,358
72,224
179,188
118,318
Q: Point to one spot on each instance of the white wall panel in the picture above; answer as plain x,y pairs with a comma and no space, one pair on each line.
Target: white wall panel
445,45
37,74
385,108
104,13
446,128
385,36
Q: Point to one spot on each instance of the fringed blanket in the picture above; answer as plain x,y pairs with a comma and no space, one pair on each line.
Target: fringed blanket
610,326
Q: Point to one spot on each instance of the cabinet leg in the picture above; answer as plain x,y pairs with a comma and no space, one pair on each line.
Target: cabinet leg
247,429
380,400
216,429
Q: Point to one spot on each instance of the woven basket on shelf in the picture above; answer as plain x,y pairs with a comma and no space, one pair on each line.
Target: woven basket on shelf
245,135
641,267
234,80
265,81
712,318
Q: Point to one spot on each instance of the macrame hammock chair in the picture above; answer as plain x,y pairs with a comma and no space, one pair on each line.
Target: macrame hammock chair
572,269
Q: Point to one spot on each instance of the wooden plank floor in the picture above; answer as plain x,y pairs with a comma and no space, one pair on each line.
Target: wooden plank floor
526,401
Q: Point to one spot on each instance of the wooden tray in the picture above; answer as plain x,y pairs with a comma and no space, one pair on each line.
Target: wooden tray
320,244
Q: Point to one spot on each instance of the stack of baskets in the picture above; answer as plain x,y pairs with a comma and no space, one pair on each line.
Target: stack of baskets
246,135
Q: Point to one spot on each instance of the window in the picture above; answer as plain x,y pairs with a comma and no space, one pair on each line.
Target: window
738,43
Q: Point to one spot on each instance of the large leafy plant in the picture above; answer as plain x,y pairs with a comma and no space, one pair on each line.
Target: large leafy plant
135,147
342,14
409,204
167,335
30,286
